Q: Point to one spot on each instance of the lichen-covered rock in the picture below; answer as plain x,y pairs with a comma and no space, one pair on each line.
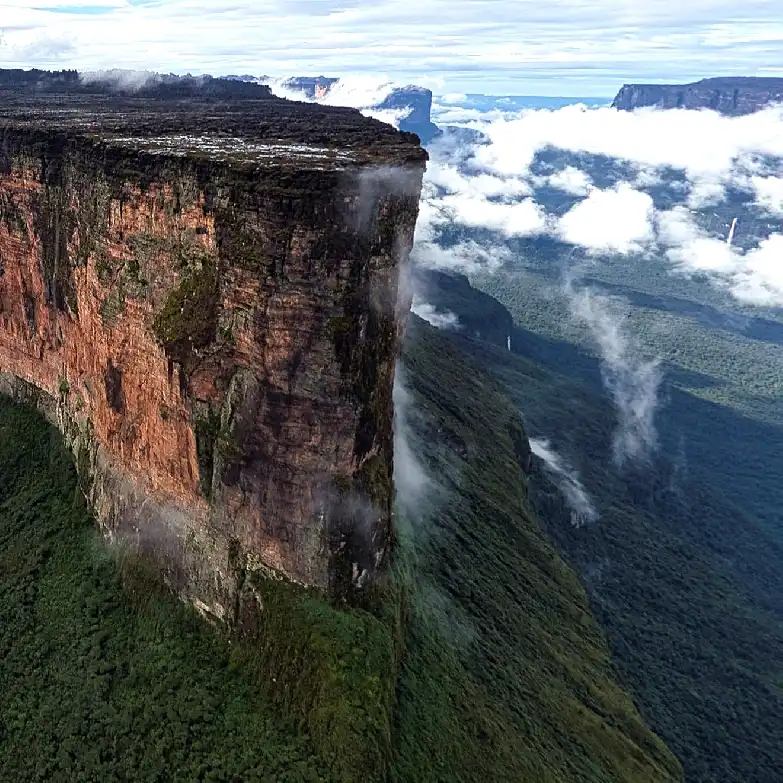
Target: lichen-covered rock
203,294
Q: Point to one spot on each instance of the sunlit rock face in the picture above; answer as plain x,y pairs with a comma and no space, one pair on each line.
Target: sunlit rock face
201,290
733,96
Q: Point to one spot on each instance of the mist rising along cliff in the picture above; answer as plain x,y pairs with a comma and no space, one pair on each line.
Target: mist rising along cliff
727,95
199,286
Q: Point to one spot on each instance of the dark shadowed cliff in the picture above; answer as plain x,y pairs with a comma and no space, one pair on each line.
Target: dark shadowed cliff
728,95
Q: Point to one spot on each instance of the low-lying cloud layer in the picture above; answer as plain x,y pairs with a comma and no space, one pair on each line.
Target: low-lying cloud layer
356,91
440,319
639,183
616,220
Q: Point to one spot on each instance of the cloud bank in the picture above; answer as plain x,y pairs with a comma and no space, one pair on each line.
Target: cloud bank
640,184
617,220
644,186
438,318
565,47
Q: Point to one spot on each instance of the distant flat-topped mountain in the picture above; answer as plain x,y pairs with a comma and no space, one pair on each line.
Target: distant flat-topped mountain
728,95
416,100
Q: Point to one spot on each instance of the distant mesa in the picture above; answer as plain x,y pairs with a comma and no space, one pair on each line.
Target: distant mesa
417,100
118,82
727,95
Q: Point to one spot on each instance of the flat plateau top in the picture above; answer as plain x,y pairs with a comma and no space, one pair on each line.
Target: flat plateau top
228,122
724,82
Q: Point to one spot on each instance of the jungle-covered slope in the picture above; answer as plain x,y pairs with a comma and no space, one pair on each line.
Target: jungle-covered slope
683,567
504,674
507,675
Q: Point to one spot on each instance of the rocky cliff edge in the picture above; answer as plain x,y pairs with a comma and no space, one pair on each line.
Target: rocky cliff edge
199,286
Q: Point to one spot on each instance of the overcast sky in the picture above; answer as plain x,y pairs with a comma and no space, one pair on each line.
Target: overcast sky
523,47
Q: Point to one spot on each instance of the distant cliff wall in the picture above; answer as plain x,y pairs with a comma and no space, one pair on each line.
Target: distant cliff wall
725,95
216,339
418,100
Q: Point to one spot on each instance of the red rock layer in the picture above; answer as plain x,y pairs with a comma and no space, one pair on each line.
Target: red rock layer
222,351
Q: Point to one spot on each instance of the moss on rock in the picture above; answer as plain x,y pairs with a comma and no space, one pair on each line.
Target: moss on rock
205,429
188,319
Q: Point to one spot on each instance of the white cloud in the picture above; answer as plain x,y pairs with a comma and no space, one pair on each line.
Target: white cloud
453,97
759,279
571,180
466,257
647,178
121,79
619,220
754,276
706,192
522,218
706,146
411,482
769,193
562,47
714,153
568,482
451,179
690,247
356,90
438,318
630,378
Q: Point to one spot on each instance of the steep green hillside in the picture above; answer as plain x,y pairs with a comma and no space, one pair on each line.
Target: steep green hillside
507,676
685,579
105,677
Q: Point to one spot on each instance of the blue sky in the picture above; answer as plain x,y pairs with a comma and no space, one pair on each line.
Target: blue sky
544,47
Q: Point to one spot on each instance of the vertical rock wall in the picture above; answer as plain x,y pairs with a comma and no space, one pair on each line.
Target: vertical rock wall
217,341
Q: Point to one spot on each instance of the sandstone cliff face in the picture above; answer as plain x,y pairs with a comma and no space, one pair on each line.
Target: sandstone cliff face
733,96
204,298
